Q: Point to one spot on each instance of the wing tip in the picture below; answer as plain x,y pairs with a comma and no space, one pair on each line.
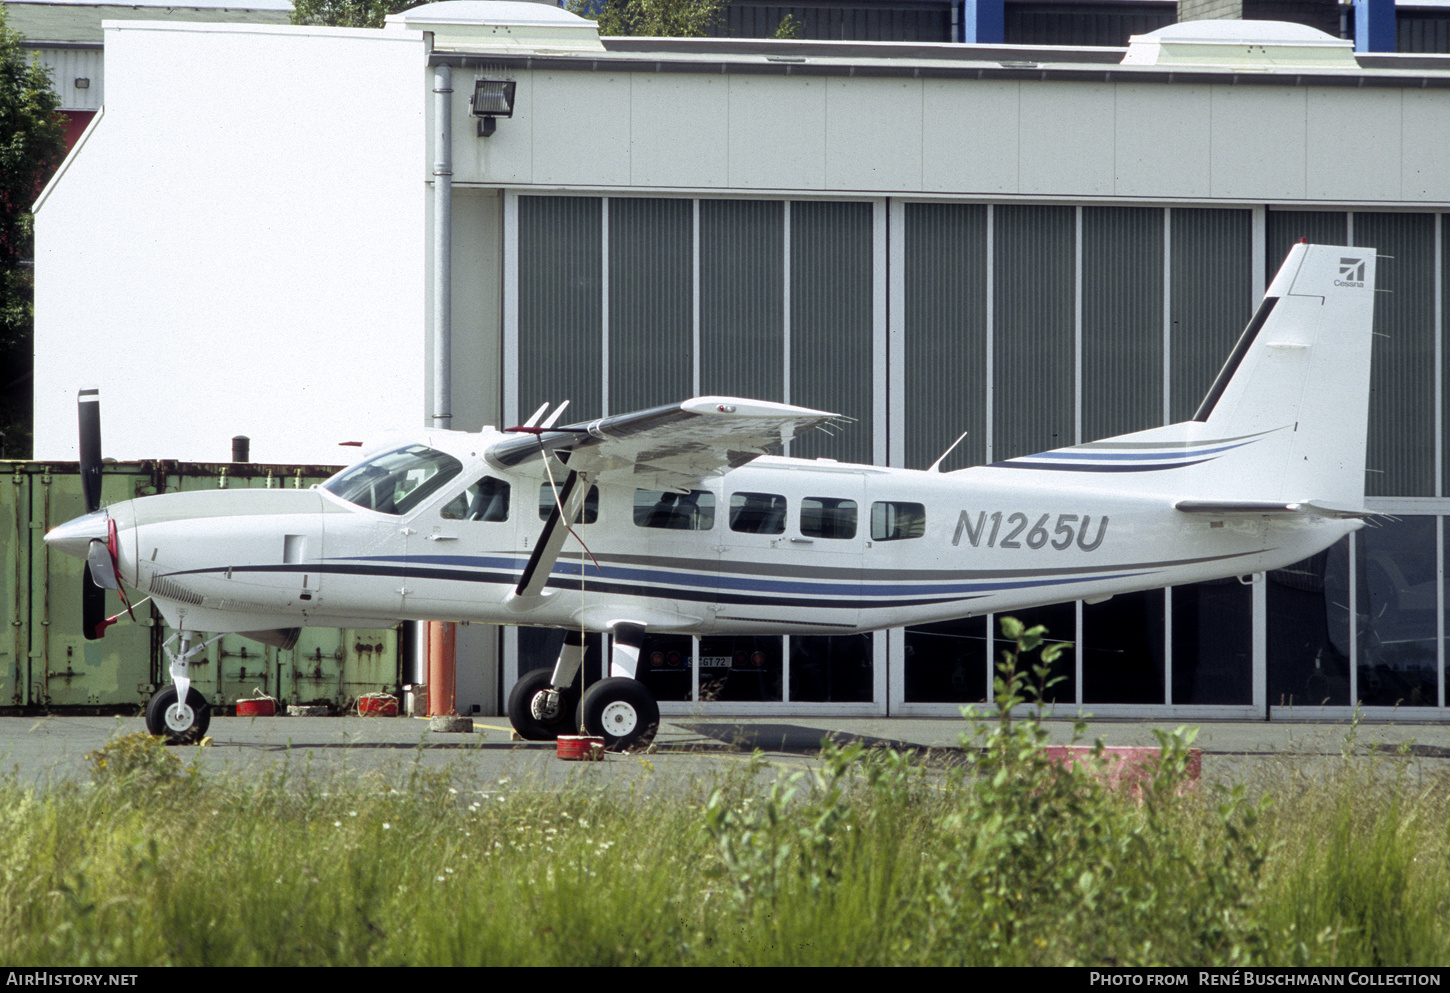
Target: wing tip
740,407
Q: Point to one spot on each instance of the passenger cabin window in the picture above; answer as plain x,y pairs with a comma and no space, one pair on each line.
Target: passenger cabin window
396,481
891,521
591,503
692,511
485,500
757,513
828,517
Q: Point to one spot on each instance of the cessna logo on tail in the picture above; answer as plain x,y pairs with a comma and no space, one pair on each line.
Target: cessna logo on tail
1351,272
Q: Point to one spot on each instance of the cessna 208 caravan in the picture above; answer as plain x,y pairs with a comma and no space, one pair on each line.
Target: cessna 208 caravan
681,523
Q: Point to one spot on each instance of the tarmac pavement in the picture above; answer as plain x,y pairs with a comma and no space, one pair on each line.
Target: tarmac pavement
51,750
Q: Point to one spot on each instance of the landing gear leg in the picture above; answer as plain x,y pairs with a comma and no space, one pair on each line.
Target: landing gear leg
178,712
543,704
620,708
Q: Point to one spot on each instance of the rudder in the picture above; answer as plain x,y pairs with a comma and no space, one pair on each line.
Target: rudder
1298,381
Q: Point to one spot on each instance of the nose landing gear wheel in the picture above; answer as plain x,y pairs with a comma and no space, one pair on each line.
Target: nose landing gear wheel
530,714
622,711
179,725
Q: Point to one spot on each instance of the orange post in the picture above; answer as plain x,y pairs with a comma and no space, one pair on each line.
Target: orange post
442,662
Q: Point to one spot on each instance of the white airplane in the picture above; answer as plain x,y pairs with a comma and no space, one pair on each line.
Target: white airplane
680,523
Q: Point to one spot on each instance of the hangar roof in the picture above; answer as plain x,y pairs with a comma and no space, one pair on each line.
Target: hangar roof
1236,52
54,25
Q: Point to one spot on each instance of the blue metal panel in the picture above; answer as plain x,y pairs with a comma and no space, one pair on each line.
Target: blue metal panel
983,22
1374,25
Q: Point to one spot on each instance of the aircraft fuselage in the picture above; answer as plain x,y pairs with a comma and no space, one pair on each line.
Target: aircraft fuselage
777,546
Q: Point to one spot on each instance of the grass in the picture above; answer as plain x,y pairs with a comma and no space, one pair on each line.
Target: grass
870,859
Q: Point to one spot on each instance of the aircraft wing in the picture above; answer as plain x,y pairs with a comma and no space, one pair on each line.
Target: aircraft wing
1227,508
666,448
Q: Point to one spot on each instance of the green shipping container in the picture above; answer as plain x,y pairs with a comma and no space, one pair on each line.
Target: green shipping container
45,662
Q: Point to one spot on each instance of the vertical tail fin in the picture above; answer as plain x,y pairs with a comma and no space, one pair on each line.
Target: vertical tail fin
1287,418
1298,382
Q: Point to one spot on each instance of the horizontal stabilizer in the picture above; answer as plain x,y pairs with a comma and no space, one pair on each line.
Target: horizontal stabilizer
1311,508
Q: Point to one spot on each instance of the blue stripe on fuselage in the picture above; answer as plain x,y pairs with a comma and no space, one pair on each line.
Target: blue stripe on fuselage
846,586
1101,455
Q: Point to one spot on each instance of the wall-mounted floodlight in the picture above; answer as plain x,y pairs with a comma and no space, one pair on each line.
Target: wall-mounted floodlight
492,98
82,83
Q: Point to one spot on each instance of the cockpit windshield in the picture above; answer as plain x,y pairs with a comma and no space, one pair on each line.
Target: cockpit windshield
397,481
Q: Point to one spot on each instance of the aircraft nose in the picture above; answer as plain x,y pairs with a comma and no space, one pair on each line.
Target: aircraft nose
75,537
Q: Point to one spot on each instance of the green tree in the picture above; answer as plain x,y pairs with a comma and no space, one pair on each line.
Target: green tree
32,142
347,13
650,18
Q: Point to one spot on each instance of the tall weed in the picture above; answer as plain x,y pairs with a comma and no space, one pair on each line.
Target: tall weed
1043,863
868,857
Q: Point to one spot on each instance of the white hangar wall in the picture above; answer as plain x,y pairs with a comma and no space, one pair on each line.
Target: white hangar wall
1249,142
237,246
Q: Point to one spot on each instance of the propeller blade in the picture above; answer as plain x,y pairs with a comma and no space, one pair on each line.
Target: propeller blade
88,410
93,607
100,569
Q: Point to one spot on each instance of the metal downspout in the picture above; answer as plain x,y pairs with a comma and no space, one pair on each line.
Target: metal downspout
442,246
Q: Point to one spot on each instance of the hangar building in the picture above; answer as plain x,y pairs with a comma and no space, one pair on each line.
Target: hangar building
266,225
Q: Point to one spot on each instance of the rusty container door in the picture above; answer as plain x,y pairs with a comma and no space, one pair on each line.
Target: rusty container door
64,669
336,666
15,586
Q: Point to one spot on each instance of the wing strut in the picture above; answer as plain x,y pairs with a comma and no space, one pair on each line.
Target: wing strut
551,540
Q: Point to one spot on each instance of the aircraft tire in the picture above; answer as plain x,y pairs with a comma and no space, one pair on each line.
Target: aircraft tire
622,712
521,715
162,702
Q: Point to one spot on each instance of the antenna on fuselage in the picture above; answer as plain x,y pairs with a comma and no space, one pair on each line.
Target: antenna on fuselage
936,466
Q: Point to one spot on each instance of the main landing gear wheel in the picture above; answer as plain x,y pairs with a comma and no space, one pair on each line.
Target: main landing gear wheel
622,711
180,725
530,713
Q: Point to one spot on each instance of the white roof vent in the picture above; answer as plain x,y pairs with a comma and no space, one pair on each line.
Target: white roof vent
1240,45
490,25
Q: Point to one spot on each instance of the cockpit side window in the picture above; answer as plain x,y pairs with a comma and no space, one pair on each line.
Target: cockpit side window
486,500
591,503
396,481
